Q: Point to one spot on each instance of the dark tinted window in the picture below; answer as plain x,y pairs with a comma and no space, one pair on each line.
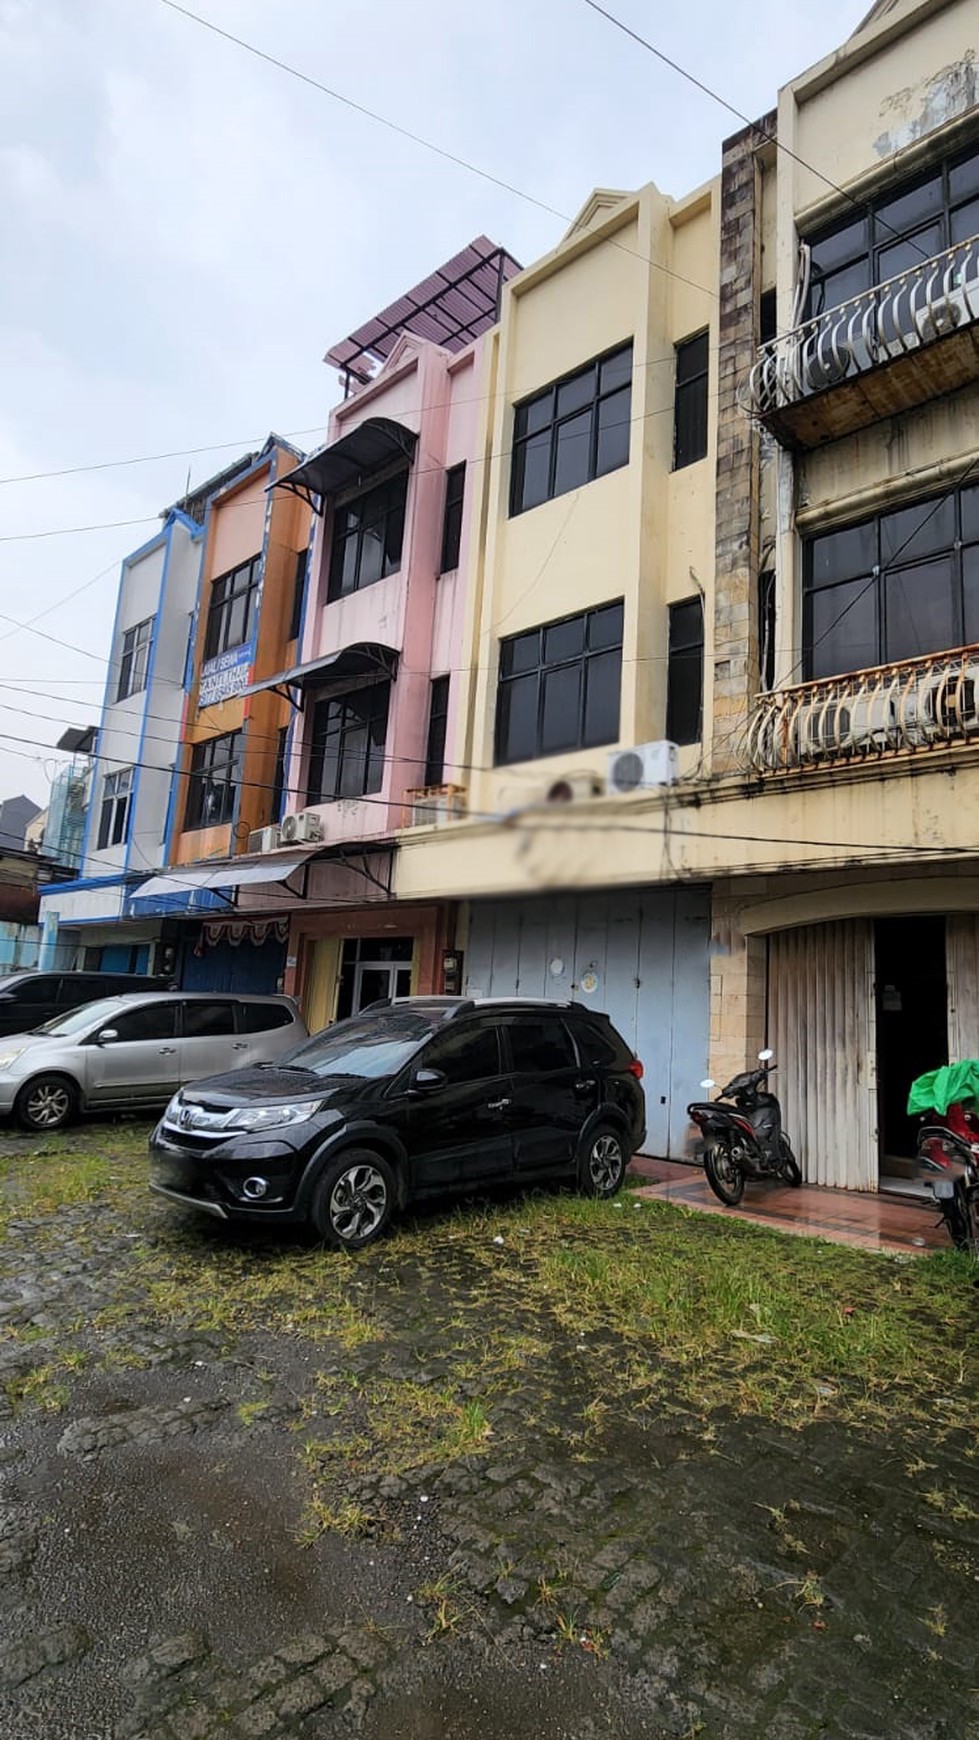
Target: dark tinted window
560,686
367,536
577,429
208,1020
347,744
598,1047
685,672
540,1044
455,489
262,1017
464,1054
690,401
231,612
43,989
438,717
215,775
156,1020
298,596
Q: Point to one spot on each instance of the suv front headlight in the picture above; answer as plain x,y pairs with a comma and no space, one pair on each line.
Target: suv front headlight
268,1117
9,1057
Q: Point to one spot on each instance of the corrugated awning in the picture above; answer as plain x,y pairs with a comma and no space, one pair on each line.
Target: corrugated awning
354,459
361,659
233,873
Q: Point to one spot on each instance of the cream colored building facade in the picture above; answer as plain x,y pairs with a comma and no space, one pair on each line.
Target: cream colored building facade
811,876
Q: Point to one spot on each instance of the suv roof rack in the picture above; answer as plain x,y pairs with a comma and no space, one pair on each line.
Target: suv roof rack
450,1005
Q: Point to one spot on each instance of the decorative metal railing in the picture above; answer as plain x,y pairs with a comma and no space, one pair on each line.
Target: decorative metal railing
919,704
428,806
902,315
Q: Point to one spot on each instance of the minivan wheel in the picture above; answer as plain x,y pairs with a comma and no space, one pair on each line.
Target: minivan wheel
46,1103
354,1200
603,1163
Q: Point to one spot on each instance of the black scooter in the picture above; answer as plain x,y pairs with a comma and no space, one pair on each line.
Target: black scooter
747,1142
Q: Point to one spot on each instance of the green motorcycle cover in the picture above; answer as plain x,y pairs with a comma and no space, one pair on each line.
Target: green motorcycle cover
954,1083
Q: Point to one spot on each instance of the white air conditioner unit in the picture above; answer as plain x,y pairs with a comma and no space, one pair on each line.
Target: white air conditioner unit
649,764
826,367
302,827
264,839
574,788
949,702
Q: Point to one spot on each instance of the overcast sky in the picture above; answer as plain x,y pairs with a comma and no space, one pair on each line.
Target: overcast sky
187,229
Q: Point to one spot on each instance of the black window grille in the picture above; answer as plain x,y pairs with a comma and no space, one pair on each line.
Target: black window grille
117,790
135,659
347,744
892,587
685,672
560,686
231,612
438,714
215,777
577,429
368,533
455,489
690,400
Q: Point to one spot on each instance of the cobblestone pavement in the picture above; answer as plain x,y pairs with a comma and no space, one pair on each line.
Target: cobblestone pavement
257,1490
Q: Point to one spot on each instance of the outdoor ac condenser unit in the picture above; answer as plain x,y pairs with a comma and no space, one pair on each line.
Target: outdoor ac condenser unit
573,788
264,839
649,764
301,828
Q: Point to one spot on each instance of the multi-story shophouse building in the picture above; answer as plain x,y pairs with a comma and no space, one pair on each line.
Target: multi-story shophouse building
230,763
730,499
374,687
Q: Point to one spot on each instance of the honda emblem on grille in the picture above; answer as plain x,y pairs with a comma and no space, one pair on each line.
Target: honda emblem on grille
186,1117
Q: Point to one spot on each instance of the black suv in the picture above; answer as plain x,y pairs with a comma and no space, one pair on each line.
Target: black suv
416,1097
28,999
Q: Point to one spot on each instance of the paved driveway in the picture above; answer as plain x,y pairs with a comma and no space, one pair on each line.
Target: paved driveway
500,1476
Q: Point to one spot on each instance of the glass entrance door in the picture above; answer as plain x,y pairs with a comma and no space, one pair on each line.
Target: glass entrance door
373,968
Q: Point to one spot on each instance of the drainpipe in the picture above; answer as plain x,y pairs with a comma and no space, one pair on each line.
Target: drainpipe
47,955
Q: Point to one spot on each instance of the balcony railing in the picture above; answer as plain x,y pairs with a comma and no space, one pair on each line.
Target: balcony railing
875,354
917,705
428,806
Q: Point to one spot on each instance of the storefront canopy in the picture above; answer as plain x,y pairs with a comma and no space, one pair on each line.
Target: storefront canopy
232,873
361,659
354,459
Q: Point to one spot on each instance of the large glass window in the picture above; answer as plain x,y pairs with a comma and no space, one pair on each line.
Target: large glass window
215,776
117,791
152,1021
685,672
895,231
231,613
347,744
134,660
560,686
368,533
893,587
575,430
690,401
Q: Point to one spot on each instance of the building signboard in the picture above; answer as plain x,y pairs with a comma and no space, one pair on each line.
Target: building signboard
226,676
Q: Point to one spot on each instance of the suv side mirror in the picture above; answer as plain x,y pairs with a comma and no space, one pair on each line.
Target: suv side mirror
106,1036
428,1081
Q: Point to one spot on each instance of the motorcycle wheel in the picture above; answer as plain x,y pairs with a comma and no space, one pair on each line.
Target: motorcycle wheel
789,1167
724,1175
956,1220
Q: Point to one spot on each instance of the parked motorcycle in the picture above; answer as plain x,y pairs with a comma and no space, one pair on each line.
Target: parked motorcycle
948,1160
747,1141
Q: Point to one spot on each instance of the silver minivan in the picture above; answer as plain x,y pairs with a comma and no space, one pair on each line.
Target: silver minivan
135,1051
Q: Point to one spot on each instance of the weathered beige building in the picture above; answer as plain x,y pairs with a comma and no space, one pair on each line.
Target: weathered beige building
737,435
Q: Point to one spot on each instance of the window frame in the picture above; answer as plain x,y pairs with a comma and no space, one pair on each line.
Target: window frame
115,808
226,755
691,400
873,245
227,591
679,674
905,561
298,595
134,659
538,414
544,667
395,487
439,690
452,516
349,720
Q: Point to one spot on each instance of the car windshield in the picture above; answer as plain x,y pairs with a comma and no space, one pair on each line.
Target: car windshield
77,1020
369,1046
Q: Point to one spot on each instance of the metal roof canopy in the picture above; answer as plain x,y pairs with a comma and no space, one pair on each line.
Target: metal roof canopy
358,455
360,659
451,307
217,877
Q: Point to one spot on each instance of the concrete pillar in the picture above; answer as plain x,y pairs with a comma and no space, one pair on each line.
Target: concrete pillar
48,956
738,988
